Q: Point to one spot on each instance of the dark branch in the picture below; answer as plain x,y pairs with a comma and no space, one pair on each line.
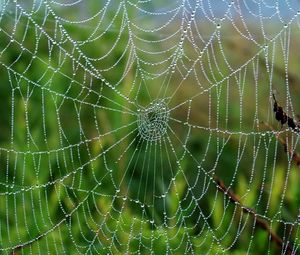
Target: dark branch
258,220
287,149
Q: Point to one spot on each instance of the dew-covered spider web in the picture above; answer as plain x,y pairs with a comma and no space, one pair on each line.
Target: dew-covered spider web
149,127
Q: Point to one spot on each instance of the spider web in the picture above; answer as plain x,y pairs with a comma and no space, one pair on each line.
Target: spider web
147,127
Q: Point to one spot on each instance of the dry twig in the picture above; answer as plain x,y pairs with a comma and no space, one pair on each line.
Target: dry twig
258,220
